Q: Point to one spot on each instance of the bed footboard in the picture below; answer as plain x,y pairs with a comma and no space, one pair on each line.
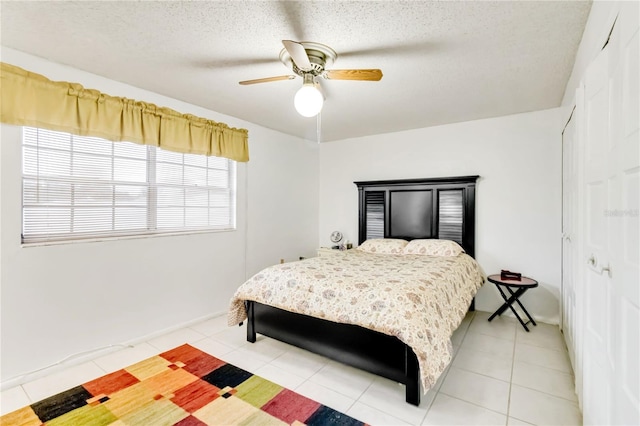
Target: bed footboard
359,347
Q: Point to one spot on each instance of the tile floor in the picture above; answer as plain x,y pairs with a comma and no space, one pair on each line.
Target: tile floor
500,375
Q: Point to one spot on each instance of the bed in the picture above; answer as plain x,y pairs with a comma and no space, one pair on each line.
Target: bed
413,209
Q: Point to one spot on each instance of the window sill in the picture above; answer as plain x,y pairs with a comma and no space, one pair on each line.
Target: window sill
123,237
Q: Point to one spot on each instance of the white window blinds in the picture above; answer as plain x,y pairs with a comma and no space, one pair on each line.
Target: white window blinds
77,187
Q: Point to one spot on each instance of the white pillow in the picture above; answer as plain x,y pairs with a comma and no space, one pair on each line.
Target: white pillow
433,247
383,246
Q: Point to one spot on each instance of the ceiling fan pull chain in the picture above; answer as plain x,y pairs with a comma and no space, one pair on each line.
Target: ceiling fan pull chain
318,126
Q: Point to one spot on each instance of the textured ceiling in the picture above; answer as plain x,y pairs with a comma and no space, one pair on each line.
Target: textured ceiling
443,62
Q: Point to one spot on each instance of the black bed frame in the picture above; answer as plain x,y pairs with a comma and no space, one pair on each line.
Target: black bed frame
408,209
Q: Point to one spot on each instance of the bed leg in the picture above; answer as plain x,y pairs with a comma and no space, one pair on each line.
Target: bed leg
412,370
251,330
472,307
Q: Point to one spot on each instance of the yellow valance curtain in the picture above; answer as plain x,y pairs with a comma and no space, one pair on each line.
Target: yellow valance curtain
30,99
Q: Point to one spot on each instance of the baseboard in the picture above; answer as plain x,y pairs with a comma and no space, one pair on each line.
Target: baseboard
189,323
538,318
92,354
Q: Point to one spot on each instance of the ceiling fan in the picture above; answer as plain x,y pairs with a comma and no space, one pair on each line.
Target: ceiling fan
310,60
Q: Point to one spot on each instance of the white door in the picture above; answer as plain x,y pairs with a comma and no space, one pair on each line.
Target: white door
568,222
598,312
623,172
612,233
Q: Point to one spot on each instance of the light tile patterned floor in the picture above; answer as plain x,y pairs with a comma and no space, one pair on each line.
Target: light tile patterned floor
500,375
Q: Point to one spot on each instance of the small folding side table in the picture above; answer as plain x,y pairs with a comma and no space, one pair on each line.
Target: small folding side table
504,286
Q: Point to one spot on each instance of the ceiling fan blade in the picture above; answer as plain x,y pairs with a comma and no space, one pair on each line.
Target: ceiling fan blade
294,13
229,63
365,75
298,54
268,79
416,48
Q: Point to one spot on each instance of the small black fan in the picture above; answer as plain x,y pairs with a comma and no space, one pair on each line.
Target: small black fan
336,237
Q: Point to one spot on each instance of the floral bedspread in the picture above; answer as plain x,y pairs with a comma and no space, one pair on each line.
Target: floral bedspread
419,299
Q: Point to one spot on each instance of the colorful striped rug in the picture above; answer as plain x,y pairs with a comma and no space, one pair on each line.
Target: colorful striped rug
183,386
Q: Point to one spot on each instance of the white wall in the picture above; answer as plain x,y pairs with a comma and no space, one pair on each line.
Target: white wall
62,299
518,207
283,201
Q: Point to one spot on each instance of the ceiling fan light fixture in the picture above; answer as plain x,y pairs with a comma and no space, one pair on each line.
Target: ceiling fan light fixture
310,60
308,100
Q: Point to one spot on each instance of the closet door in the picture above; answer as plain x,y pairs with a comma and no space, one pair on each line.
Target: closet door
623,227
569,191
611,245
599,309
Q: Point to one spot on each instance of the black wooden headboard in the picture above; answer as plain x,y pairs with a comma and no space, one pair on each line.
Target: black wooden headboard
419,208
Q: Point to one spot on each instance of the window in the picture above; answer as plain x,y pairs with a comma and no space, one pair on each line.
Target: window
77,187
